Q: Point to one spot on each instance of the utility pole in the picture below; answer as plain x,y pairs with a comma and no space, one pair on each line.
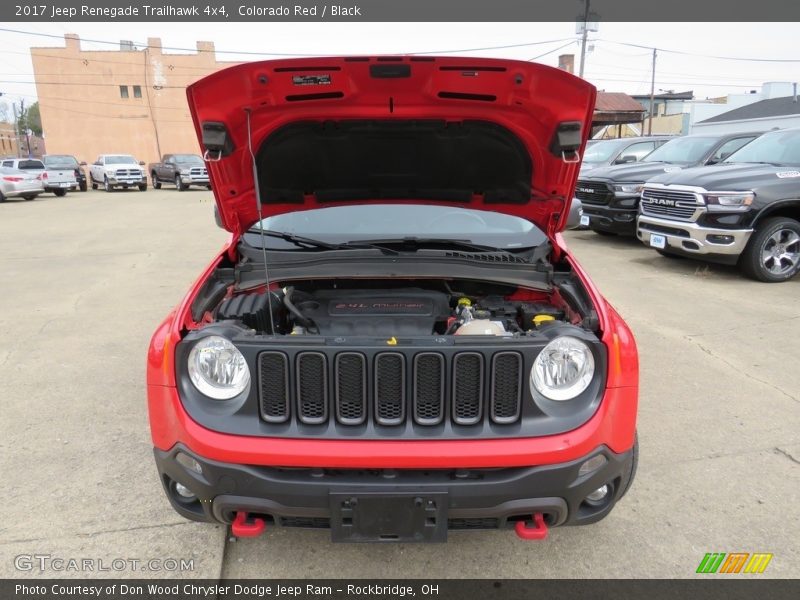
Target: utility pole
585,35
16,124
652,95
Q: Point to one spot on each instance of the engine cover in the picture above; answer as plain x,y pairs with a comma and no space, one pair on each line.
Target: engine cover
376,312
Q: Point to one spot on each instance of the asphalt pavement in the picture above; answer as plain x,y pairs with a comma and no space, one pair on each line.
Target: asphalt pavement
86,278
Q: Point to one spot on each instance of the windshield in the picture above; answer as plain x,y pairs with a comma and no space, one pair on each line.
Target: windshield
30,164
685,150
603,150
61,162
779,147
188,158
10,171
342,224
120,160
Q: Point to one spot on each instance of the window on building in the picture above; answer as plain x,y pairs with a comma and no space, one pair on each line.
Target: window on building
123,91
137,91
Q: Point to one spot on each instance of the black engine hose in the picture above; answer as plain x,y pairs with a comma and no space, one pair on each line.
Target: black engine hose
300,317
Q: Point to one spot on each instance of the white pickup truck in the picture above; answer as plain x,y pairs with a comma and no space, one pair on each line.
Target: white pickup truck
117,170
58,181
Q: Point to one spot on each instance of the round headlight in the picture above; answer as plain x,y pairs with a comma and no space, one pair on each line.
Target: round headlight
217,368
563,369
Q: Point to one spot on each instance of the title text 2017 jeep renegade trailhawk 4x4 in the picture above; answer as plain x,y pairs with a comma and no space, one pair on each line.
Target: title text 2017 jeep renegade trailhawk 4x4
396,341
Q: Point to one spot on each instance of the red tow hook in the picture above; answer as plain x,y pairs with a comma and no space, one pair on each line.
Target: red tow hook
242,528
537,532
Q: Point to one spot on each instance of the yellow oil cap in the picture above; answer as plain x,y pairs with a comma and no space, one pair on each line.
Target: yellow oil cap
539,319
464,302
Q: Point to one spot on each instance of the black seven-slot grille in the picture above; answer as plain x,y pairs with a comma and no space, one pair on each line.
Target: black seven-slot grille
356,381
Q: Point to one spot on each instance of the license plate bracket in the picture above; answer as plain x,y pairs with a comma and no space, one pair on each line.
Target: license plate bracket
658,241
363,516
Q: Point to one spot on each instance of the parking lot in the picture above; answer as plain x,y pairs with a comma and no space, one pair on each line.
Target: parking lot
86,278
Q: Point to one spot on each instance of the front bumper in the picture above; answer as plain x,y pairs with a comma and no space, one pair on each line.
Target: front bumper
475,498
126,180
611,219
691,239
195,180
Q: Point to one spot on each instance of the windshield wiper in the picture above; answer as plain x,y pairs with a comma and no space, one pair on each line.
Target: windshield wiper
412,244
307,242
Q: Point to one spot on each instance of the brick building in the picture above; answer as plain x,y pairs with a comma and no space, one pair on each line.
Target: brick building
130,101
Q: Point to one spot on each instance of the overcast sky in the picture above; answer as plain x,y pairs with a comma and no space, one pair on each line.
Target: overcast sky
610,66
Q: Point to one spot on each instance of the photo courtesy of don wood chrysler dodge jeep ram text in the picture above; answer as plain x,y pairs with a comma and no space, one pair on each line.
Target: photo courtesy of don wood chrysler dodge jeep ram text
396,341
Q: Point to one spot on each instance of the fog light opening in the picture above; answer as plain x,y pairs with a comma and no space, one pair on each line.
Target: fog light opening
599,497
720,239
182,493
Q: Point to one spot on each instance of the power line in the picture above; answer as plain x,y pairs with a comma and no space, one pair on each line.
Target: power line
698,76
126,104
737,58
166,87
297,54
551,51
120,117
666,81
114,62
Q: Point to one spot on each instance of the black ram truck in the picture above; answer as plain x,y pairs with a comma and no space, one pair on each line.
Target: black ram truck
744,210
610,195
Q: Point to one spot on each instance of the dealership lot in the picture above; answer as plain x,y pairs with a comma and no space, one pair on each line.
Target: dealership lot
86,279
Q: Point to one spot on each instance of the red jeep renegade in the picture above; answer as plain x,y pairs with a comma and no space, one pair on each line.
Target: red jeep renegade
396,341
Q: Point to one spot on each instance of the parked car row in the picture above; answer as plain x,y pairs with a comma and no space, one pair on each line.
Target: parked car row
731,199
56,176
59,173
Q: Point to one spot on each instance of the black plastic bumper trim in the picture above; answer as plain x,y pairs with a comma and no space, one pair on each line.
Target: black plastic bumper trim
506,494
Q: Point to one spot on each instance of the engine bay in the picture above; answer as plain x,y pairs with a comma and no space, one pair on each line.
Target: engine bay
386,308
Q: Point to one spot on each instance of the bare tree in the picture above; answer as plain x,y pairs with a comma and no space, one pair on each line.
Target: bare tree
6,114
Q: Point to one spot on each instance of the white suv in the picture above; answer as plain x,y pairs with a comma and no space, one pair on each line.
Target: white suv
117,170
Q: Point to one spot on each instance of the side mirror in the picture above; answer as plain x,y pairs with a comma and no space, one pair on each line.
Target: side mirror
141,163
82,163
628,158
575,213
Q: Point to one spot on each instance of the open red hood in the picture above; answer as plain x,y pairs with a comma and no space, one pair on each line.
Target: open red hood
496,135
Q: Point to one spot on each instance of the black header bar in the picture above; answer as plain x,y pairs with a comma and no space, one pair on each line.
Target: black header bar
220,11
